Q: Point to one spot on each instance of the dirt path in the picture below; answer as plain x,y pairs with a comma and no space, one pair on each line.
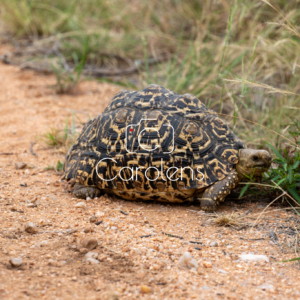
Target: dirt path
53,268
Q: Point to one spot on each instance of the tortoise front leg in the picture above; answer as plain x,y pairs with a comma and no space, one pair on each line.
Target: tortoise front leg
218,191
84,191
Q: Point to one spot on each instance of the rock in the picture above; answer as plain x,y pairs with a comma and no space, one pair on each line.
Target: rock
92,261
187,261
83,250
31,228
266,286
31,205
20,165
145,289
102,257
253,257
16,262
24,184
213,244
91,257
93,219
80,205
88,229
45,222
207,264
44,243
88,243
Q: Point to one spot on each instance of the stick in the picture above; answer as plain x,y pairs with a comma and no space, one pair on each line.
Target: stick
172,235
31,150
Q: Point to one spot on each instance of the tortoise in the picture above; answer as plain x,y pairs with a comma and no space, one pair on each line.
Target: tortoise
155,144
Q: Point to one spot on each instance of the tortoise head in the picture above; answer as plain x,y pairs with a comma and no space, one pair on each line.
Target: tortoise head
253,162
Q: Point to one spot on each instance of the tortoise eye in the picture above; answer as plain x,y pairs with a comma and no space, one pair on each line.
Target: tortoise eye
255,158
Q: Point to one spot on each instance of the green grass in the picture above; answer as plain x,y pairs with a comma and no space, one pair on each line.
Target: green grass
68,79
61,139
240,57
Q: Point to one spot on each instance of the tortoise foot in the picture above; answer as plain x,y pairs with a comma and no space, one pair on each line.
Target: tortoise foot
83,191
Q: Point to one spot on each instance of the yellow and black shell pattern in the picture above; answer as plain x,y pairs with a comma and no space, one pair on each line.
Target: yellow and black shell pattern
153,141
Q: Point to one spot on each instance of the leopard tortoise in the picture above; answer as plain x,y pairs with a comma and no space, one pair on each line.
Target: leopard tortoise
155,144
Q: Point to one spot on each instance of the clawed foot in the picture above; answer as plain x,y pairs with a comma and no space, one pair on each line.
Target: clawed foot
83,191
208,205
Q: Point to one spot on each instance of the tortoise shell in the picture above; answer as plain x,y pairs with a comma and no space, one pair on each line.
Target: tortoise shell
153,144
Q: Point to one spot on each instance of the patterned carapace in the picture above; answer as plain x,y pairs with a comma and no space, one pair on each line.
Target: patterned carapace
143,137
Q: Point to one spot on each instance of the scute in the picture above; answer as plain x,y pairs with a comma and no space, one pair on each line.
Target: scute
180,130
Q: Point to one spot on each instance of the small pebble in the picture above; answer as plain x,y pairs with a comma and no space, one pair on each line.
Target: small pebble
93,219
87,230
31,228
102,257
91,257
207,264
88,243
80,205
16,262
44,243
92,261
187,261
145,289
213,244
83,250
266,286
45,222
253,257
20,165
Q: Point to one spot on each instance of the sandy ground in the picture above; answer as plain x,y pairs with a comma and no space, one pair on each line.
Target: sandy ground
134,258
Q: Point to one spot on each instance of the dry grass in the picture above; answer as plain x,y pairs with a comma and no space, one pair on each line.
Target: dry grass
229,220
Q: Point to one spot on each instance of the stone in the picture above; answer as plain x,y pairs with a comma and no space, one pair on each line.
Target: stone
91,257
31,228
44,243
88,243
16,262
92,261
31,205
80,205
253,257
207,264
83,250
145,289
187,261
266,286
20,165
213,244
93,219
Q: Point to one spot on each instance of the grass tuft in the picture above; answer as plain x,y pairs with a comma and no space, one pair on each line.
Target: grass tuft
228,220
61,139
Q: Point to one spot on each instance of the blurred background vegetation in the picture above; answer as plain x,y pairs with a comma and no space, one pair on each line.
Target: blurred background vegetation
241,58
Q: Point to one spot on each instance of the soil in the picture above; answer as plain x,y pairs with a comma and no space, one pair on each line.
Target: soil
139,244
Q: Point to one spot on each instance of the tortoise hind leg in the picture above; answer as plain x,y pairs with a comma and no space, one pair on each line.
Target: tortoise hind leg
218,191
84,191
